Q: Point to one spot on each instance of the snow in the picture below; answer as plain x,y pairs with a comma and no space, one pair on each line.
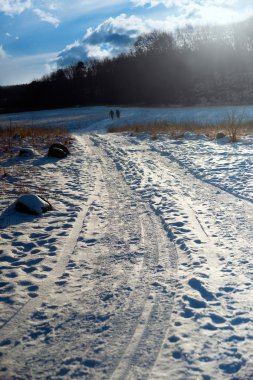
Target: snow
144,267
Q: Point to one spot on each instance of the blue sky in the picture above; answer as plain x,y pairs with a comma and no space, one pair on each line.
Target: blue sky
37,36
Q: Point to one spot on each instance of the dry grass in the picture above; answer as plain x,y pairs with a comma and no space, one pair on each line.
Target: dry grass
12,137
174,129
232,127
34,132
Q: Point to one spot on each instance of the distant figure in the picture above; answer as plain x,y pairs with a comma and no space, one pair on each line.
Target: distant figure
118,114
111,113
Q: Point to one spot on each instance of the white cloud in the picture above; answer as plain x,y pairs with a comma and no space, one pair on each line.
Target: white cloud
47,17
120,26
12,7
71,54
3,53
50,67
98,52
113,36
108,39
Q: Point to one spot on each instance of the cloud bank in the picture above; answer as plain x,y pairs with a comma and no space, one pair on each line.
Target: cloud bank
108,39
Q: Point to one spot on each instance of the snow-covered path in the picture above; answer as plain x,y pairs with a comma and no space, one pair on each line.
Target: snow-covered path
211,328
153,281
109,295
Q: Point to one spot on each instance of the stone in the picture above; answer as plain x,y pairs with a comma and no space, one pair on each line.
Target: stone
220,135
58,151
32,204
26,152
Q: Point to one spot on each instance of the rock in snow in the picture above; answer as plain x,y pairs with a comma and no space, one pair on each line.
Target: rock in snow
32,204
26,152
58,151
220,135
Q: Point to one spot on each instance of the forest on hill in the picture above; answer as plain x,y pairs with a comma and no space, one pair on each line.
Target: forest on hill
205,65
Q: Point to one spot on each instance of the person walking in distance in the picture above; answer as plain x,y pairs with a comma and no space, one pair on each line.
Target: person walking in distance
111,113
118,114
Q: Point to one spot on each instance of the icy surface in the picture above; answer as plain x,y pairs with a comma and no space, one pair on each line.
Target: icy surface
144,268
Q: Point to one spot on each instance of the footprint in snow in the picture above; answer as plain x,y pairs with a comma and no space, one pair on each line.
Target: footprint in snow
8,259
217,319
209,326
6,236
61,283
240,320
7,300
187,313
11,275
50,228
195,303
29,269
197,285
235,338
39,235
178,224
90,242
17,233
173,339
233,367
71,264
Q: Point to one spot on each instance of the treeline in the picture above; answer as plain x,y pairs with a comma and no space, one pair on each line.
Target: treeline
204,65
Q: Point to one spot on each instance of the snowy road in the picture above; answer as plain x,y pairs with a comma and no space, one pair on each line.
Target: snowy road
109,295
152,276
210,333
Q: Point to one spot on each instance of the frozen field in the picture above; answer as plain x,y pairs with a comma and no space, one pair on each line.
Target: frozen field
97,118
142,270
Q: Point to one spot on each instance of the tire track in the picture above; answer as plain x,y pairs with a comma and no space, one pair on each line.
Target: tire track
211,230
152,299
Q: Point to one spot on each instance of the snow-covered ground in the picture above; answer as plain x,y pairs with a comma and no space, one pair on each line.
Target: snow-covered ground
143,269
97,118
